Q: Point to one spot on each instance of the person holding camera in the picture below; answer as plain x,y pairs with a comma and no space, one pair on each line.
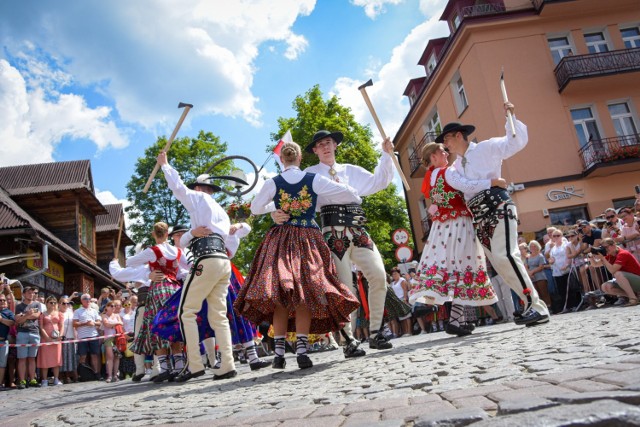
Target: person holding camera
624,267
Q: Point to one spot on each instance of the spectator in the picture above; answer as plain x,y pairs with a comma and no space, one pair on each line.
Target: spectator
402,324
535,264
27,315
524,252
69,351
7,319
106,295
592,237
86,320
560,267
547,239
578,261
630,232
127,364
112,357
50,356
613,225
625,269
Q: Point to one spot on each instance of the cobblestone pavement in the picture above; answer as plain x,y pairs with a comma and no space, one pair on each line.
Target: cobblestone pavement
580,369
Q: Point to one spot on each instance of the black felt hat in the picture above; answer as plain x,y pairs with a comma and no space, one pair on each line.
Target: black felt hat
178,228
204,180
454,127
321,134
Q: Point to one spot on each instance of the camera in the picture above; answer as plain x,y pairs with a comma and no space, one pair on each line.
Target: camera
598,250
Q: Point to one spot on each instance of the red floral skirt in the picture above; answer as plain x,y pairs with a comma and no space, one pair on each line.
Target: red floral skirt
293,266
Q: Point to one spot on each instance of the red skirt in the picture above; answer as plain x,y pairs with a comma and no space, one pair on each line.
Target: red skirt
293,266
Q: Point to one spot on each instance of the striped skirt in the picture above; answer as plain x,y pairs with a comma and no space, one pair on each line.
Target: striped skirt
69,357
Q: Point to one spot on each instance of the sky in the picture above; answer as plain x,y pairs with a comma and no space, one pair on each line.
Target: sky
101,80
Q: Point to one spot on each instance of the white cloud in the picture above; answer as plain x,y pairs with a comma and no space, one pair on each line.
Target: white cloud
149,54
33,122
373,8
390,80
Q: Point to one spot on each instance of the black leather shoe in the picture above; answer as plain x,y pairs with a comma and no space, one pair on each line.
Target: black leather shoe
353,350
163,376
457,330
173,375
186,376
379,342
530,316
137,378
469,326
278,362
544,319
226,376
304,362
259,364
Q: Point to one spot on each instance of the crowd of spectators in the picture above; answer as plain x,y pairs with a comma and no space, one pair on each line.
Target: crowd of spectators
51,329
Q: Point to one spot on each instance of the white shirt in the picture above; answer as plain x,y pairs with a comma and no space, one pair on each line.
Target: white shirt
561,264
461,183
69,332
233,241
170,252
139,275
484,160
84,315
337,192
203,209
361,180
128,320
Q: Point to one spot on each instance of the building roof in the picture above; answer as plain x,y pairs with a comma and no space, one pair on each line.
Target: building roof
13,217
111,222
26,180
46,177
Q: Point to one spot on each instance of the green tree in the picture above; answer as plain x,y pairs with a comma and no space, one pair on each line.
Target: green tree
190,157
385,210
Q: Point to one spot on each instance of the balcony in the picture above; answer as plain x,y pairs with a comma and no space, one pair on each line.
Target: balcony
415,158
596,64
482,9
609,150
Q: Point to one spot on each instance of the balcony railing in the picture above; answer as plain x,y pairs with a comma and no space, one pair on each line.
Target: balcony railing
608,150
415,159
596,64
539,4
481,9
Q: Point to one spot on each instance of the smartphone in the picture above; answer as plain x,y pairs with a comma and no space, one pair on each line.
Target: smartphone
637,189
125,294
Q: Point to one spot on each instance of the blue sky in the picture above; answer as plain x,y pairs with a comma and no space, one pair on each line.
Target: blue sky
89,79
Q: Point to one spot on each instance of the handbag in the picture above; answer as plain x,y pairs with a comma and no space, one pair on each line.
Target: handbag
55,334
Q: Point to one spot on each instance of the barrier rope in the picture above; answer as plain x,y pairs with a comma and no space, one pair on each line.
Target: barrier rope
61,341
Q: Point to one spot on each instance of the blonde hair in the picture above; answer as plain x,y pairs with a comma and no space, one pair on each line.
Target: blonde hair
536,244
160,229
290,152
429,149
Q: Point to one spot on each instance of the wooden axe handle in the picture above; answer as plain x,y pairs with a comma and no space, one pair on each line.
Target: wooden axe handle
119,234
384,136
166,147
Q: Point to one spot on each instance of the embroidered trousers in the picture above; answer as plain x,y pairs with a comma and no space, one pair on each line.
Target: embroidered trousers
368,260
504,255
208,280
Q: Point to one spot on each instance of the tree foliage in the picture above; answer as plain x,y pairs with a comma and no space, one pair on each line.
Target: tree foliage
190,157
385,210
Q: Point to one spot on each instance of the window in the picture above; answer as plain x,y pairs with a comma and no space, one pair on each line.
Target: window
622,119
567,216
459,94
596,42
560,47
631,37
86,232
431,65
432,126
456,21
585,124
624,203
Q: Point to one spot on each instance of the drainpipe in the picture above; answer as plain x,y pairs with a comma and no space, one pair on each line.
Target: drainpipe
45,263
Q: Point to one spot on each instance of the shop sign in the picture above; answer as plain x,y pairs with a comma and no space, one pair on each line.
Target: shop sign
55,270
568,192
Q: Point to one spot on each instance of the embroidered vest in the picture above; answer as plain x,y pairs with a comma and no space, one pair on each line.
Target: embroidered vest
450,201
168,267
298,200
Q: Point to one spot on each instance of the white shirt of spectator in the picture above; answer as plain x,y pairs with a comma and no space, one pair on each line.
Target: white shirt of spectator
84,315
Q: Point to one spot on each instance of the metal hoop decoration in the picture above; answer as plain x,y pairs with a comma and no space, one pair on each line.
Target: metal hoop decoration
236,193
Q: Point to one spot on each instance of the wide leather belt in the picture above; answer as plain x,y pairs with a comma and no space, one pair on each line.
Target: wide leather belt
487,201
208,245
346,215
142,296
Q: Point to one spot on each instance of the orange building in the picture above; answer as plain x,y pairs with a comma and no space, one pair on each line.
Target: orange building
572,69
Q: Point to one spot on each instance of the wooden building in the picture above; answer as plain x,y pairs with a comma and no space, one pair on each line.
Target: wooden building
50,212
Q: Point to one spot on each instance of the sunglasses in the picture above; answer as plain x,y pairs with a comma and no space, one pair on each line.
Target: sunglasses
127,305
557,235
52,302
610,216
3,300
65,303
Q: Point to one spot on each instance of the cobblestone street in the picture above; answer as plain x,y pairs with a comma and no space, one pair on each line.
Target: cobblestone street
581,368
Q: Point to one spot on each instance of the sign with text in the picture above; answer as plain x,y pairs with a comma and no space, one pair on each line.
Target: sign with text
55,270
569,191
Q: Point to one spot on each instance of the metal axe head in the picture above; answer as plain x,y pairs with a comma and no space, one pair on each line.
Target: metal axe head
368,83
183,104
